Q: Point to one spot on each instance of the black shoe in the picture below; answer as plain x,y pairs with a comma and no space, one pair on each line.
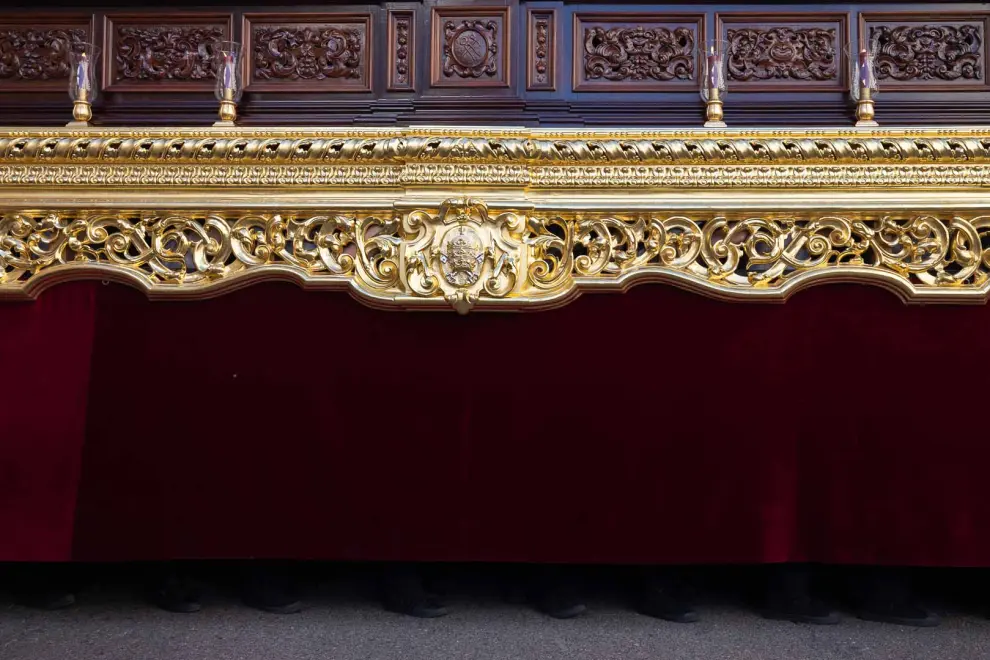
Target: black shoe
560,599
427,606
789,598
561,606
43,586
270,592
666,602
176,594
46,599
889,598
905,613
403,592
801,610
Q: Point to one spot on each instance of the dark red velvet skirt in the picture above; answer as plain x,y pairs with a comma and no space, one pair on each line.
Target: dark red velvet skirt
656,426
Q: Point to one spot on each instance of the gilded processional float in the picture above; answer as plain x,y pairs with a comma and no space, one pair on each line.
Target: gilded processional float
498,218
788,415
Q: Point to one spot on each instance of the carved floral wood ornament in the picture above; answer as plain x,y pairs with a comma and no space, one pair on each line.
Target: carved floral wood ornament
929,52
37,55
782,53
165,53
156,54
308,53
638,53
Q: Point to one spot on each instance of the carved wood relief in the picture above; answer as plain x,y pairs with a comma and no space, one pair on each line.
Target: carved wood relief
401,50
34,53
924,52
308,52
470,47
541,51
162,53
800,52
636,52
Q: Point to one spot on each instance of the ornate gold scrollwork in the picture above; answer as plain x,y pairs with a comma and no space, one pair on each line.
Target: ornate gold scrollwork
461,255
735,214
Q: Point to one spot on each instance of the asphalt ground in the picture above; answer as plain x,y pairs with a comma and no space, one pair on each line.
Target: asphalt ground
342,620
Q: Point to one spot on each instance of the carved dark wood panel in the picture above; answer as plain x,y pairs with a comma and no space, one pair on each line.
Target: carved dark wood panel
781,53
800,52
928,51
541,51
470,47
401,51
34,51
156,53
641,52
308,52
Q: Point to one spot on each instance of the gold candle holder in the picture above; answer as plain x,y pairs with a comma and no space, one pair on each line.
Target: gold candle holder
227,66
714,89
714,111
866,109
82,110
83,87
228,109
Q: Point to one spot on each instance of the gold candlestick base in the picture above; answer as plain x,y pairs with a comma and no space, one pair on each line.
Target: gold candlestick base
866,112
82,112
715,114
228,114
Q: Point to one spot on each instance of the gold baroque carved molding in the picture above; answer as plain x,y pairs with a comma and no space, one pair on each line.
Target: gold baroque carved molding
561,176
497,218
515,158
464,255
278,147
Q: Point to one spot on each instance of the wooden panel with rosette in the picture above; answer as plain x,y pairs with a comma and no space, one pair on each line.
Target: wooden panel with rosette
470,47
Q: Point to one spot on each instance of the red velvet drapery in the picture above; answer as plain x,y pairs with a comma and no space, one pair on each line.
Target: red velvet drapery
45,351
656,426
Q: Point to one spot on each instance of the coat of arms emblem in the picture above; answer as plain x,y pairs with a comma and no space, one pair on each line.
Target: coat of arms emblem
461,256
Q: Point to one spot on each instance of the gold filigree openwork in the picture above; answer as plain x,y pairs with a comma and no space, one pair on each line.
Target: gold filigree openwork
462,255
925,252
497,218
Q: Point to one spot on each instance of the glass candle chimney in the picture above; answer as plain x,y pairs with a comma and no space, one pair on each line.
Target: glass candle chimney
83,84
229,88
863,87
713,86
